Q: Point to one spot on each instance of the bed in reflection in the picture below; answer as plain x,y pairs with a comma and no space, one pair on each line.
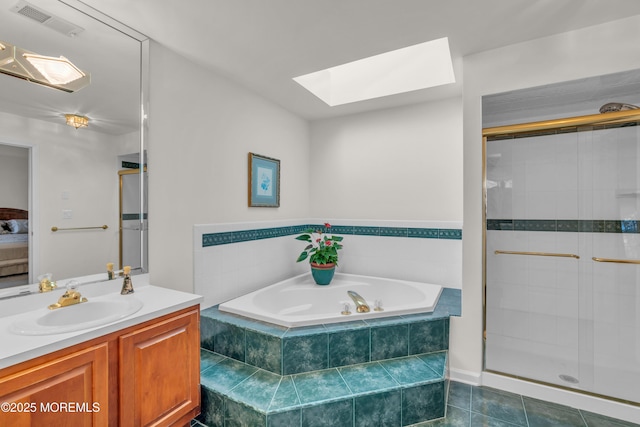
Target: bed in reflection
14,247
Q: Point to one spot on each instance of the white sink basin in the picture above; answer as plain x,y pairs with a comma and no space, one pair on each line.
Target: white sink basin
95,312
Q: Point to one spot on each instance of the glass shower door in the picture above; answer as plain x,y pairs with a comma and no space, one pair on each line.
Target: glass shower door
532,266
610,321
563,260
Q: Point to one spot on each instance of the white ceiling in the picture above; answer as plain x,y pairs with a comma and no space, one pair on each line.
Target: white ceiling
263,44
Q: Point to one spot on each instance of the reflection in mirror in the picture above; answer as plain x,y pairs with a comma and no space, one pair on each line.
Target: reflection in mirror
62,177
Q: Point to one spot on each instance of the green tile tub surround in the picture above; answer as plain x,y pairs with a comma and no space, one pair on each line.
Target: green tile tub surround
565,225
372,394
263,350
423,402
330,414
237,414
229,237
349,347
378,410
286,351
389,341
305,353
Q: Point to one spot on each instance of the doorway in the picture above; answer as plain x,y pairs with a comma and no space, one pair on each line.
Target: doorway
15,233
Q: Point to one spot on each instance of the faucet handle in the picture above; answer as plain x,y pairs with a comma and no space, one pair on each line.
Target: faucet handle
45,283
346,311
72,286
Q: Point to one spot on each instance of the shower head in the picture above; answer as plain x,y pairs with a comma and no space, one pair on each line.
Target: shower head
617,106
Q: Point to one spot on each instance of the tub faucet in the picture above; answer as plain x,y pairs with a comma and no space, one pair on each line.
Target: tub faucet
361,304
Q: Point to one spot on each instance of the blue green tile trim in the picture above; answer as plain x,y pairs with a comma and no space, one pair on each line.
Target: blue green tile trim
132,216
229,237
565,225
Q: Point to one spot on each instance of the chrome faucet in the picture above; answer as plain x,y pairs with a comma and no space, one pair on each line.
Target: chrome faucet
361,304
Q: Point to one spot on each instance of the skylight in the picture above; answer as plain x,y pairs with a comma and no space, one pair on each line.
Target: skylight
411,68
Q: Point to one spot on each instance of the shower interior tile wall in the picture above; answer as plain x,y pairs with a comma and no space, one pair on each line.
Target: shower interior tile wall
526,179
565,176
226,271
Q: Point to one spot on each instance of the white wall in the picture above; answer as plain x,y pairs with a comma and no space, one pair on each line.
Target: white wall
590,52
202,128
397,164
80,163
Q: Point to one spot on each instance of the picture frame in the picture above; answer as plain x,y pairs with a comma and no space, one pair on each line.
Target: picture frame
264,181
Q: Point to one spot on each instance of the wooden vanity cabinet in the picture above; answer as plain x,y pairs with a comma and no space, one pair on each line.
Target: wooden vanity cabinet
160,372
144,375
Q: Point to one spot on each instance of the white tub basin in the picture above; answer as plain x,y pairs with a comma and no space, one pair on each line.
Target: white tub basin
300,302
95,312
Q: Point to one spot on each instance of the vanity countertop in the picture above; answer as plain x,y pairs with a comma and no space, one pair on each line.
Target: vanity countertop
16,348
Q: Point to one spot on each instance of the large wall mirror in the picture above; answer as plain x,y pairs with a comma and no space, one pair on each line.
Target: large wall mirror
65,208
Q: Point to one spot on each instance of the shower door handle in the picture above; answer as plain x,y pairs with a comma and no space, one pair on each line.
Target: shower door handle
618,261
537,254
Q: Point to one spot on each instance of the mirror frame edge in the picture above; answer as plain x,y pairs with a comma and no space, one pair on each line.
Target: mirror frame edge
144,137
144,42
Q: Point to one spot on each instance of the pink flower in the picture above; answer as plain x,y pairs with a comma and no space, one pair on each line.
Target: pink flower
327,242
326,224
318,240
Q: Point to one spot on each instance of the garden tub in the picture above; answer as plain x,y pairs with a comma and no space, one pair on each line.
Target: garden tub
300,302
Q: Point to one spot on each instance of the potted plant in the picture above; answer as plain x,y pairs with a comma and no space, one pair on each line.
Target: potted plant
322,252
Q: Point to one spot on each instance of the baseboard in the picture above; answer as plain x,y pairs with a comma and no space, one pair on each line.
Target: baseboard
466,377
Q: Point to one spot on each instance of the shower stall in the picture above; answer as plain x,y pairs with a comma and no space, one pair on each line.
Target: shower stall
562,253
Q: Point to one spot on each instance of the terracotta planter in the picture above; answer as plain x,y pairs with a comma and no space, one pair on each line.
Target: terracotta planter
322,273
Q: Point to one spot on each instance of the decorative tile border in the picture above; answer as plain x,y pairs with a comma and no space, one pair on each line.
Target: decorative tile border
132,216
565,225
225,238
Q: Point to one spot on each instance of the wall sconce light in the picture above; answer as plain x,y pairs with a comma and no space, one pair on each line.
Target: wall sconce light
77,121
58,73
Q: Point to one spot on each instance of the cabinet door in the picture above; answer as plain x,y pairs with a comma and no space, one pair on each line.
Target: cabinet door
71,390
160,372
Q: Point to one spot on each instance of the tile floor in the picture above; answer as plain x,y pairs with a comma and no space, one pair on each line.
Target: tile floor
470,406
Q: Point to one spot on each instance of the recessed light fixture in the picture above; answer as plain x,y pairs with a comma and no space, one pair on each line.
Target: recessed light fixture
58,73
77,121
403,70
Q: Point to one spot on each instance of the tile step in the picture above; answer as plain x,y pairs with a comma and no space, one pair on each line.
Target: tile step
393,392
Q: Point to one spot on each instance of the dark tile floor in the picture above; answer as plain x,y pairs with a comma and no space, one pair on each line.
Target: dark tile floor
471,406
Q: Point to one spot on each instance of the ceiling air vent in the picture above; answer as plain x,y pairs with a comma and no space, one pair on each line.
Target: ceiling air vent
47,19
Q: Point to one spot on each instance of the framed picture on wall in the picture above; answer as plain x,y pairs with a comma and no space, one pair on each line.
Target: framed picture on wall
264,181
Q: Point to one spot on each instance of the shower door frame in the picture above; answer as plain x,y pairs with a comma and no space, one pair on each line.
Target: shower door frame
541,128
